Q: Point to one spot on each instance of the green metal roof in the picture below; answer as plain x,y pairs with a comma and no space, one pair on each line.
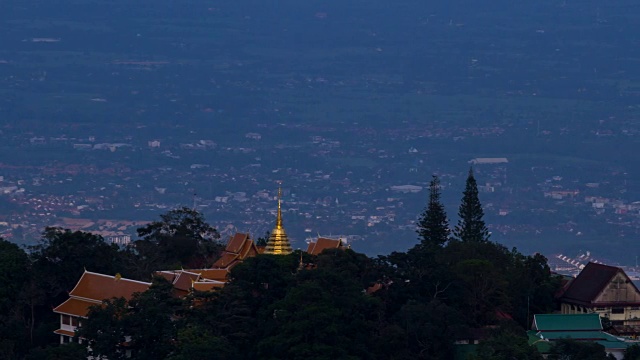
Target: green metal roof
566,322
543,340
543,346
614,344
577,335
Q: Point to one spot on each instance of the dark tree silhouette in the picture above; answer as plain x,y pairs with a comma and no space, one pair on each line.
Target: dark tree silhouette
471,226
433,226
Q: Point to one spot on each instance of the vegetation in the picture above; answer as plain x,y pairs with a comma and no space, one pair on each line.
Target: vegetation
339,304
471,226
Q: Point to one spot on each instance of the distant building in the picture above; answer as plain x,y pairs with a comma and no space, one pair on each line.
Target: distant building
153,143
253,136
406,188
119,239
478,161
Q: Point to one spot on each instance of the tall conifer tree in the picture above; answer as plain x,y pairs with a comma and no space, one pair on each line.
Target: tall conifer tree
433,226
471,226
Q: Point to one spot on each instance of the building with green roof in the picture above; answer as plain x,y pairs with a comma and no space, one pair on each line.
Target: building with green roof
547,328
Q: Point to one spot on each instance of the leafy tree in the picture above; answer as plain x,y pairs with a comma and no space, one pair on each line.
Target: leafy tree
325,315
531,286
57,262
199,343
262,241
181,238
62,256
430,329
632,352
433,226
484,286
105,329
14,274
150,321
471,226
569,349
506,344
72,351
144,325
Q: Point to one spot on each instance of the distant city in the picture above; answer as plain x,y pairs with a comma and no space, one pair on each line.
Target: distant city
106,122
367,192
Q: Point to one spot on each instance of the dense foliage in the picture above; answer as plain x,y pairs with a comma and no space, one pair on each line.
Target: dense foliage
336,305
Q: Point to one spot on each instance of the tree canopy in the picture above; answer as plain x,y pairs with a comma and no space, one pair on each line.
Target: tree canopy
471,226
338,304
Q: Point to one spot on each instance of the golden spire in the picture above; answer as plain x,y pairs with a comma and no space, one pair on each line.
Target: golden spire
278,243
279,216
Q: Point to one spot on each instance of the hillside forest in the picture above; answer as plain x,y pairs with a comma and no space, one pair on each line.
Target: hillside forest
454,285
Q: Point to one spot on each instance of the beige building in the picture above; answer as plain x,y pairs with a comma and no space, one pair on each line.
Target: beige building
607,291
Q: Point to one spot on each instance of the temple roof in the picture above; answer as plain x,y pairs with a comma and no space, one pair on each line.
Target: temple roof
322,244
94,286
75,307
207,285
185,279
212,274
239,247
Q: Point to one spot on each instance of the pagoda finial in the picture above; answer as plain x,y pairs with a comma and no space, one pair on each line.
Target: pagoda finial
278,243
279,216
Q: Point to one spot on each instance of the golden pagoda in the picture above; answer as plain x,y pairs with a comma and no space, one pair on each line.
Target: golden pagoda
278,243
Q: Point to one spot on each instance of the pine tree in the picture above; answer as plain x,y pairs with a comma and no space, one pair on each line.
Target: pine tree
433,226
471,226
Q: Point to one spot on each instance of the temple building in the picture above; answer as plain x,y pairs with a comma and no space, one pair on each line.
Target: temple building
92,289
278,243
323,243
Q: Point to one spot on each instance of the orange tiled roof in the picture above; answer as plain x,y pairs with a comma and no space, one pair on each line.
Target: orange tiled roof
226,260
310,247
207,285
322,244
236,242
99,287
184,280
65,332
169,275
240,247
75,307
211,274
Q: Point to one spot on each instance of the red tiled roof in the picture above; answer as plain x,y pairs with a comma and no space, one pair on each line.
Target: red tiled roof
65,332
236,242
226,260
589,283
323,244
185,279
211,274
169,275
207,285
239,248
248,250
75,307
310,247
100,287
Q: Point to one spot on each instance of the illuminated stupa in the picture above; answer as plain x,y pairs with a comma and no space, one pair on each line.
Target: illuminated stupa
278,243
